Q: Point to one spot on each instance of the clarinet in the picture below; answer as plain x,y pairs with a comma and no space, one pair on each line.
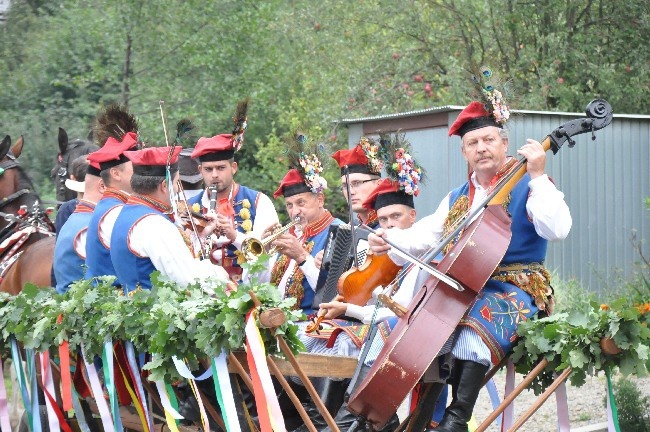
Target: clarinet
213,205
213,198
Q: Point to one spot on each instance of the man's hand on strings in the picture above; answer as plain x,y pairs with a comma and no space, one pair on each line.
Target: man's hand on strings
377,242
535,157
212,224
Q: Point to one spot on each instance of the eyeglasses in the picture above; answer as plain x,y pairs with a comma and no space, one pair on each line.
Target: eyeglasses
354,184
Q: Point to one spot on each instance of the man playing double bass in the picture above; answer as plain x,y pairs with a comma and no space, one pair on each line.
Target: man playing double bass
519,288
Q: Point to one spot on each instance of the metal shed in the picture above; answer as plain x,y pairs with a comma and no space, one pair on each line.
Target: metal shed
604,181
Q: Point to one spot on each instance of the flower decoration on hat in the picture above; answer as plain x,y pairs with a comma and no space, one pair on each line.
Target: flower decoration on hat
362,158
240,119
401,167
312,168
371,149
494,101
308,164
305,167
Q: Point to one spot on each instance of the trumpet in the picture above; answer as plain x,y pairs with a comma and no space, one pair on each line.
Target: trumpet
252,248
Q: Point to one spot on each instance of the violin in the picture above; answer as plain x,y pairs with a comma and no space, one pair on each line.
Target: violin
357,284
191,218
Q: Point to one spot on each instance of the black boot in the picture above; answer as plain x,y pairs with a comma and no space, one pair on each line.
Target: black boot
467,380
331,392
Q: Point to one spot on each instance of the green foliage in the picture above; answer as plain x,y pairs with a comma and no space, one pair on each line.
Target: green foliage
298,60
573,339
633,407
166,321
570,294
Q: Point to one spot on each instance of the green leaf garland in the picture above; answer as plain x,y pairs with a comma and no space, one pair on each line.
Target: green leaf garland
167,321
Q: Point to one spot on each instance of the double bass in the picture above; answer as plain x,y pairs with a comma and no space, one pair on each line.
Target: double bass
470,261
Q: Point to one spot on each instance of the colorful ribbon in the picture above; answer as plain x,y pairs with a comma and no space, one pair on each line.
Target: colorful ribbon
22,381
507,418
33,381
135,374
171,413
224,392
66,377
268,407
5,425
494,398
98,394
79,412
48,390
185,372
612,411
562,405
109,382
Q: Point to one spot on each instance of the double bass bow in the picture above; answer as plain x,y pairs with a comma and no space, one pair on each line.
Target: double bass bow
484,238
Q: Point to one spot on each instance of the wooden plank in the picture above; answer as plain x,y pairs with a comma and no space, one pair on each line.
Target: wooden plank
314,365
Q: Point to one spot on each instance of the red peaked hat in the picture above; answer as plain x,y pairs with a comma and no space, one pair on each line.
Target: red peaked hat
355,159
473,116
152,161
112,153
386,193
216,148
292,184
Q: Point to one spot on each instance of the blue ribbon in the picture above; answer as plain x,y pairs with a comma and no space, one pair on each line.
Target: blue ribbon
22,382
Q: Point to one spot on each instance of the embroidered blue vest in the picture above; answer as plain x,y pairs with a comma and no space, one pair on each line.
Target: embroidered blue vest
242,194
132,270
68,265
525,246
499,306
98,255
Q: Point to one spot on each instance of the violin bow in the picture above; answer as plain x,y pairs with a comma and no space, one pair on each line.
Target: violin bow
420,263
181,192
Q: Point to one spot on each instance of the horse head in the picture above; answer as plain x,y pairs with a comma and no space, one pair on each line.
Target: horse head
16,187
68,151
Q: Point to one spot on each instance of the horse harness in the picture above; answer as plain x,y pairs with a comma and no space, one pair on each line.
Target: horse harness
20,228
10,163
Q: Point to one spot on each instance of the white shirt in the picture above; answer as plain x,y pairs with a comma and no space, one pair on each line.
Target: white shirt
156,237
106,225
545,206
265,216
79,243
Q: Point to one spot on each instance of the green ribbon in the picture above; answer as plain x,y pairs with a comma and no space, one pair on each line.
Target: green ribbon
612,412
109,381
217,389
172,398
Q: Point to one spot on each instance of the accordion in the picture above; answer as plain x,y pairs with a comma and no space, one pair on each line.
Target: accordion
338,257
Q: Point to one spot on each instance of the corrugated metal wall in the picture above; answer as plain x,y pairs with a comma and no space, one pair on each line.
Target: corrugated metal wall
604,181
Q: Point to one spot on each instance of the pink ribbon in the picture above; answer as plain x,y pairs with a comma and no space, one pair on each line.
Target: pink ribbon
5,425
